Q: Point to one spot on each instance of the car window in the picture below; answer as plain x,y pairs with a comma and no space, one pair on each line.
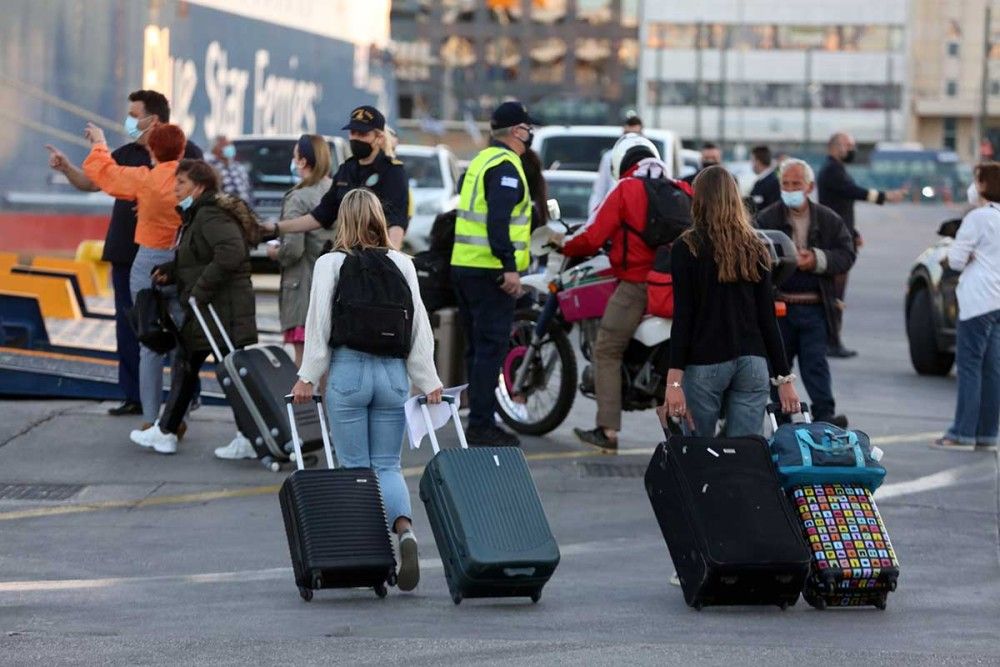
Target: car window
269,162
424,170
580,153
573,197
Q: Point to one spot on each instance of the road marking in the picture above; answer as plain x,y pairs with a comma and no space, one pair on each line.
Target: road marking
242,576
412,471
938,480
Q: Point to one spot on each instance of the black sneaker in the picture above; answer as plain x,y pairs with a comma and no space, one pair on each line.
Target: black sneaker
126,408
837,420
490,436
596,437
840,352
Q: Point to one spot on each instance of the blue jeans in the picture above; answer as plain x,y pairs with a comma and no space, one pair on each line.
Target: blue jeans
150,363
736,390
364,400
977,356
487,314
126,343
805,333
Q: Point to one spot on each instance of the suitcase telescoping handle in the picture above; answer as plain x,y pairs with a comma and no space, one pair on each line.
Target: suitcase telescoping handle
297,443
208,333
450,400
774,409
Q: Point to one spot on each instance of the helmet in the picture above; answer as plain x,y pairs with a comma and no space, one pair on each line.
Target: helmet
624,145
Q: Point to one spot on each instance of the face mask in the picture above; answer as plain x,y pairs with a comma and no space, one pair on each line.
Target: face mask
531,138
708,163
229,151
972,194
185,203
793,199
294,168
850,155
361,149
132,128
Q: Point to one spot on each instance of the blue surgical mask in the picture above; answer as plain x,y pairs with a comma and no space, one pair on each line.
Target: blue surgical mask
132,128
229,151
793,199
185,203
294,168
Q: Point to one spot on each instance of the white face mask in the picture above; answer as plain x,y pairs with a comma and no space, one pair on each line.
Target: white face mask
972,194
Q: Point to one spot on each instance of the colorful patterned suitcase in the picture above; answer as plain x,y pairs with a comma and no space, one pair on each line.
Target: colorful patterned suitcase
853,560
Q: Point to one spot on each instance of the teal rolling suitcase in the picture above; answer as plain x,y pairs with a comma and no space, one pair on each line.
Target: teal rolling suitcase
488,522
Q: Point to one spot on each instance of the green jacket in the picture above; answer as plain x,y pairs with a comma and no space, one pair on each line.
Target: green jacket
298,254
212,264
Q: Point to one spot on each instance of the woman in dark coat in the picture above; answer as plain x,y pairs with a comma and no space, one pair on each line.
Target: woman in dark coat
212,265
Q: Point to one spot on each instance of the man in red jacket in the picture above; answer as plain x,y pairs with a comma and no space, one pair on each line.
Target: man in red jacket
621,218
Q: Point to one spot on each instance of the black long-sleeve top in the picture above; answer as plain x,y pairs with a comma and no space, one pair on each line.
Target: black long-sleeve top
838,191
716,322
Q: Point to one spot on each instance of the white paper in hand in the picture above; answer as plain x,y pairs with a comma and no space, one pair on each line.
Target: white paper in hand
440,413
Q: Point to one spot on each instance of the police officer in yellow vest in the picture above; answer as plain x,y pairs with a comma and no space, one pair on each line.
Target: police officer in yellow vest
492,234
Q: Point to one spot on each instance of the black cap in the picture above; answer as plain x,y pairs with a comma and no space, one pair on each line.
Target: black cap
510,114
365,119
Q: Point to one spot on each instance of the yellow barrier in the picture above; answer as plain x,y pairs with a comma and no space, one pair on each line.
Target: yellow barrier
84,271
55,295
7,260
91,253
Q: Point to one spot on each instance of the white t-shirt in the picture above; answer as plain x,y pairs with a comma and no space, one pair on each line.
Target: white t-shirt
976,253
316,356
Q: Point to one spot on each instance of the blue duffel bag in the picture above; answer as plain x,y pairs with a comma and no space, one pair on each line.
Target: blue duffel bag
821,453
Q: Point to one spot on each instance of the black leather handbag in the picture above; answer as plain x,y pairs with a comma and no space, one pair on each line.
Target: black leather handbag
151,321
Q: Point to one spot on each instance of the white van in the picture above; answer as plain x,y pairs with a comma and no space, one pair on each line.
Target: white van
580,147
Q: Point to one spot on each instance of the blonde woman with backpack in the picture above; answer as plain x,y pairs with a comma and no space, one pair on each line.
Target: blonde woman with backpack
368,327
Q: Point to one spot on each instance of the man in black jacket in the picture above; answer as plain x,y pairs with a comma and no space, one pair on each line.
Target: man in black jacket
838,191
825,249
766,190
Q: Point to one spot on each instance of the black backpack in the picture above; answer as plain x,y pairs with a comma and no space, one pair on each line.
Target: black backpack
151,321
434,265
668,212
372,305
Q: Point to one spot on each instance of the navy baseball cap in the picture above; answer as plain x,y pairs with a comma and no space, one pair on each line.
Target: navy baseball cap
365,119
510,114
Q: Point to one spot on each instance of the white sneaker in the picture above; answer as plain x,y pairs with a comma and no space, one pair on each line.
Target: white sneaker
675,580
409,564
155,439
238,448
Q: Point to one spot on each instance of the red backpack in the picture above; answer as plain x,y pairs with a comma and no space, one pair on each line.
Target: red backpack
660,285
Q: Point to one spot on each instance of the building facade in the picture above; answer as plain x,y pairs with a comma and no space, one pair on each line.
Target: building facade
789,74
570,60
956,76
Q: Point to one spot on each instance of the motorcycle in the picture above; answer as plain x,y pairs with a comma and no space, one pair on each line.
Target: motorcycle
539,379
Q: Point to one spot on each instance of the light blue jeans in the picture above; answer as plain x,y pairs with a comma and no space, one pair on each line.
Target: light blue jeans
736,390
364,398
977,362
150,363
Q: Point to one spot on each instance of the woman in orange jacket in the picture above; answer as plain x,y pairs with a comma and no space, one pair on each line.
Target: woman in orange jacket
155,231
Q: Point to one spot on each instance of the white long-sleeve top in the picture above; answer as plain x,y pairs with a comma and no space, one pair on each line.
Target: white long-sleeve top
976,253
316,356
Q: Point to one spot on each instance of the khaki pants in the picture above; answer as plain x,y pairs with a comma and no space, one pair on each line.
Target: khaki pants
623,314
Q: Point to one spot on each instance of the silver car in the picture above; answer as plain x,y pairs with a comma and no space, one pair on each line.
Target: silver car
433,173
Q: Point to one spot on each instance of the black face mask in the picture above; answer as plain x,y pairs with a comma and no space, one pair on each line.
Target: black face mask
708,163
361,149
850,155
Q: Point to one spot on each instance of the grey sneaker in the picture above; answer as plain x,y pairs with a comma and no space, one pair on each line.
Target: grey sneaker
409,563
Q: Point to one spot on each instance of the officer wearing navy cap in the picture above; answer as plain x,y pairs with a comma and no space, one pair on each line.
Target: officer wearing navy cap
492,235
368,167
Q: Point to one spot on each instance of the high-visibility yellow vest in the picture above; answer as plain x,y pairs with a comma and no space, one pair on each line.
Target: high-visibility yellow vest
472,245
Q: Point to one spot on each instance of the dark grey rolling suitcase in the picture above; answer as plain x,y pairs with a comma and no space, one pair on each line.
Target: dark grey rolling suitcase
731,532
255,381
488,521
338,535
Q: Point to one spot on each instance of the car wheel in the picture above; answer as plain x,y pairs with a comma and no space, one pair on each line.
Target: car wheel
927,359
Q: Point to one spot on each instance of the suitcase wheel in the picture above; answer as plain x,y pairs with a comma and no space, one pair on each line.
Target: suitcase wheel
269,463
814,600
456,598
317,582
306,593
784,605
392,579
880,603
697,605
381,590
536,596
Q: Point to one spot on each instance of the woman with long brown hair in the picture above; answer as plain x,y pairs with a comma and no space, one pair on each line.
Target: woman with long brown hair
369,381
725,332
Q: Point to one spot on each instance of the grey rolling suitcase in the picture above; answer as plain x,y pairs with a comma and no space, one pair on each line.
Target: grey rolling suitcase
255,381
488,521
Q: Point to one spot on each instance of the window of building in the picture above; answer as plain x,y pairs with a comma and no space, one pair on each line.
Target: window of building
767,37
548,61
951,88
458,11
994,87
503,59
952,49
595,12
777,95
949,135
630,13
549,11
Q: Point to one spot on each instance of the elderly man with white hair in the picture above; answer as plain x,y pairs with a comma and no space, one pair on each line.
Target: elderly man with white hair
825,249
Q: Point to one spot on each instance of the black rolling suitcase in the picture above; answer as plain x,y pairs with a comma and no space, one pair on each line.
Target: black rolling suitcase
487,519
731,532
255,381
338,535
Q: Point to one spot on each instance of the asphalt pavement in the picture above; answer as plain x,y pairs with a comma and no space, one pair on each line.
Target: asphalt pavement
113,555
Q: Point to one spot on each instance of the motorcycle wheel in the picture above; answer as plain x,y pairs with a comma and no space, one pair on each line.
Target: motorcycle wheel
546,407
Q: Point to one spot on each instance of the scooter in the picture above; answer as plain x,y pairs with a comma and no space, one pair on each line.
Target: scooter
539,378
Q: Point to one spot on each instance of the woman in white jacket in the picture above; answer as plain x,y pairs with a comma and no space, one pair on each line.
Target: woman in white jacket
976,253
366,392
